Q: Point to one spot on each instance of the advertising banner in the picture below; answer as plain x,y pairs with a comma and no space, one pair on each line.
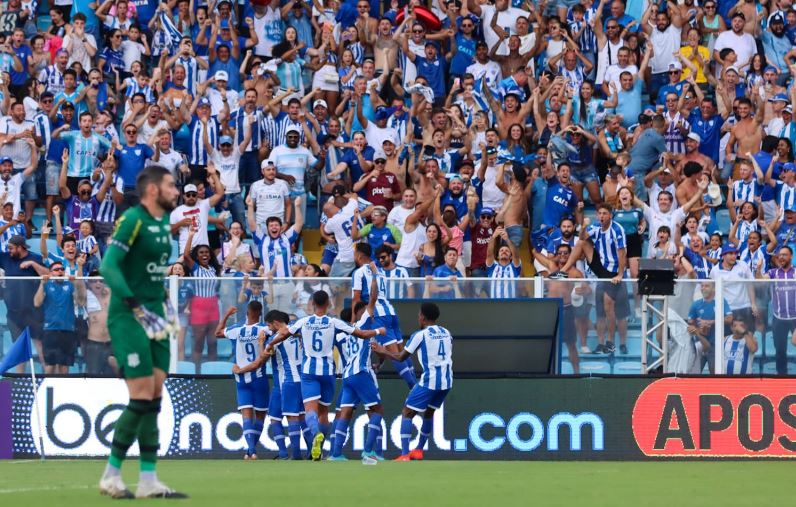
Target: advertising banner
496,419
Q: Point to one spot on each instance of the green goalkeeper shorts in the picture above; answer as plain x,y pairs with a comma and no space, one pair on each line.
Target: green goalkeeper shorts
136,354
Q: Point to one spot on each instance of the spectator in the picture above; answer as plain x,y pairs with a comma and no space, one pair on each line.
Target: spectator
99,357
739,348
16,136
194,213
270,197
58,299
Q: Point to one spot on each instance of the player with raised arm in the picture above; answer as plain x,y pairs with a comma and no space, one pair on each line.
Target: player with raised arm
139,323
317,372
251,382
359,380
434,347
384,315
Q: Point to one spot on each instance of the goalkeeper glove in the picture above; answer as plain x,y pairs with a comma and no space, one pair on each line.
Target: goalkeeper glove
154,325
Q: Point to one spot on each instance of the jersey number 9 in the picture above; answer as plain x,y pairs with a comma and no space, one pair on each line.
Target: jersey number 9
251,352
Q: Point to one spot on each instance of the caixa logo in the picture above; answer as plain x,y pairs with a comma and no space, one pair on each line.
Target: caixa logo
717,417
525,432
79,415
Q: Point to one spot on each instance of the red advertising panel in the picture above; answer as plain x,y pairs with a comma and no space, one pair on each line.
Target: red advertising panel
717,417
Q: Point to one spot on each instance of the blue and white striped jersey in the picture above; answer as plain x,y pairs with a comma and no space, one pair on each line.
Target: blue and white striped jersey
238,122
207,285
287,359
745,191
246,349
53,79
361,280
197,154
503,284
18,229
84,245
191,73
607,243
277,251
786,195
738,360
317,336
107,208
355,352
752,258
745,227
434,347
397,282
43,128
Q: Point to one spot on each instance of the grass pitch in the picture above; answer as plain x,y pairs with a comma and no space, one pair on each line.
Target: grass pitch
219,483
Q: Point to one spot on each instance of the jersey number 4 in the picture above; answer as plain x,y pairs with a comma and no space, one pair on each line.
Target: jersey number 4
441,351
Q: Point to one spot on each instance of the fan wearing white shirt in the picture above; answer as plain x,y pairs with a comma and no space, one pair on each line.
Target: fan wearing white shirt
270,197
227,159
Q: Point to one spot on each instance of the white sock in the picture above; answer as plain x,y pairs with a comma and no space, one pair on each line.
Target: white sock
111,471
148,476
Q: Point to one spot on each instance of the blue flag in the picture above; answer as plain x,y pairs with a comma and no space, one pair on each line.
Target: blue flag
19,353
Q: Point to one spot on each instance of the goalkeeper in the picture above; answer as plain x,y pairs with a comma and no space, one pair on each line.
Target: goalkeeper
140,321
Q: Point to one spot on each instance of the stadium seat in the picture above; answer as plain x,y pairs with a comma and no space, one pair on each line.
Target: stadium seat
595,368
770,368
723,221
186,368
76,369
224,348
36,367
216,368
566,368
627,368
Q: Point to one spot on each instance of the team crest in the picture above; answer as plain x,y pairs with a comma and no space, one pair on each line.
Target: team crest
133,360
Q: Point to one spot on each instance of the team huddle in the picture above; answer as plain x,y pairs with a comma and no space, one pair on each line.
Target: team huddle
140,321
303,365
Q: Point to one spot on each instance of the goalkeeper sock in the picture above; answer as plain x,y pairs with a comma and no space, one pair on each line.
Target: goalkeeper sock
248,435
149,440
406,370
406,435
278,436
340,433
425,431
125,432
374,430
294,433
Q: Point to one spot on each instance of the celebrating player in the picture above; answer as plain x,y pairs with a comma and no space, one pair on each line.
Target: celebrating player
435,345
286,396
384,312
251,382
359,380
317,372
139,323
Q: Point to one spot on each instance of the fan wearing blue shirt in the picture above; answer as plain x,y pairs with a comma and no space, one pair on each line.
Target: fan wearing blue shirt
560,199
449,288
702,322
431,66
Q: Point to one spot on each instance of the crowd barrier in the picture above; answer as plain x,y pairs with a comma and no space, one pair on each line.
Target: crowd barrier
581,320
634,418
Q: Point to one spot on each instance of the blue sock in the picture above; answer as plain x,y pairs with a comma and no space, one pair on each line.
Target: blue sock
332,436
406,370
306,434
278,435
374,430
406,435
258,431
379,445
311,419
248,434
294,433
325,429
425,431
340,434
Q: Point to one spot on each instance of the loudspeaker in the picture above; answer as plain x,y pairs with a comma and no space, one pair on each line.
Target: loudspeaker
656,277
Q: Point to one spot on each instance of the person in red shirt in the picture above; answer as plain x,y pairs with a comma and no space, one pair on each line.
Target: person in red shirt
481,233
381,186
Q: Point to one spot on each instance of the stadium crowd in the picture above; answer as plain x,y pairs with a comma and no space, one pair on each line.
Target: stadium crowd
440,133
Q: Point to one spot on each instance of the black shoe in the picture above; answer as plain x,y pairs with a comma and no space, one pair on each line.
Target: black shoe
610,348
623,349
599,349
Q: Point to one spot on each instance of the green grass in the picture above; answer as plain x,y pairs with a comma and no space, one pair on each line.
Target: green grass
221,483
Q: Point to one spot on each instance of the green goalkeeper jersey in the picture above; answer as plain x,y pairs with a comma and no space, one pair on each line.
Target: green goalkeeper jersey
136,261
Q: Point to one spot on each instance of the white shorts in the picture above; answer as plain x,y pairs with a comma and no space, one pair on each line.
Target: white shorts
321,80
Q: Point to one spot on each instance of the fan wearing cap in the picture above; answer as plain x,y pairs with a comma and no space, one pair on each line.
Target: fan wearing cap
693,154
221,97
376,131
380,186
740,295
788,128
226,45
675,85
431,66
81,205
205,130
736,38
484,67
194,212
378,232
292,161
773,121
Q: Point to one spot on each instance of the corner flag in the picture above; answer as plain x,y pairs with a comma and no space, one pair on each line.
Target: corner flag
19,353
